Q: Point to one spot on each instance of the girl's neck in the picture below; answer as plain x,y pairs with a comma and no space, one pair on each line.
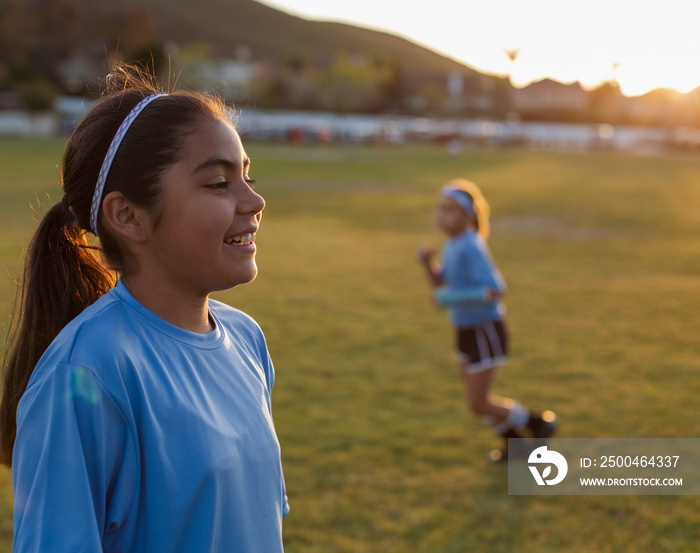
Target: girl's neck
469,226
188,312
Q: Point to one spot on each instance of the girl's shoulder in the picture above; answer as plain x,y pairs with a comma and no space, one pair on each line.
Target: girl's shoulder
236,322
471,237
466,242
98,331
228,313
116,333
100,322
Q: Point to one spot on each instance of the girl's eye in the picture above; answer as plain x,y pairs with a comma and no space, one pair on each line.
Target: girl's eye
218,184
251,182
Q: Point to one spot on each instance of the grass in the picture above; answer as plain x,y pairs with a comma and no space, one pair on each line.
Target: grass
600,254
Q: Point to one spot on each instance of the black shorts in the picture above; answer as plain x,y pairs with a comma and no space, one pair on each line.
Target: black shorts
483,347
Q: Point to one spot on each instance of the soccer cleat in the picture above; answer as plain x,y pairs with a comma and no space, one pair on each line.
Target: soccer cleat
543,426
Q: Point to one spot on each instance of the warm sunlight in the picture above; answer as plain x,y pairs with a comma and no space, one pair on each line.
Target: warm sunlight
639,44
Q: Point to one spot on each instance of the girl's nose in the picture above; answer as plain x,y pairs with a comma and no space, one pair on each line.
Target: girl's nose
252,202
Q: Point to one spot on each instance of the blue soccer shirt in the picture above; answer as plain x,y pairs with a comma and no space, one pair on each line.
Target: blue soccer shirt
466,263
136,435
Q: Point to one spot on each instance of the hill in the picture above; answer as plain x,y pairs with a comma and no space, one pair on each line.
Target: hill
272,34
258,55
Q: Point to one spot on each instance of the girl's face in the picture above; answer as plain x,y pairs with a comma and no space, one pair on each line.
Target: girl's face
450,218
202,236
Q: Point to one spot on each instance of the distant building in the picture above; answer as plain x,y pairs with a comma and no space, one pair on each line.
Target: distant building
231,78
548,99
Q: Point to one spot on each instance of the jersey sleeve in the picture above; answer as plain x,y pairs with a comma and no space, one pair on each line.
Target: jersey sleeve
74,471
269,371
263,354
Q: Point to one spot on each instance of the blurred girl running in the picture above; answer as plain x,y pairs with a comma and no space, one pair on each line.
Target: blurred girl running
467,282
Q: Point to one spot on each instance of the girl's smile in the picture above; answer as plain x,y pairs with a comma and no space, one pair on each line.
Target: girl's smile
244,243
242,240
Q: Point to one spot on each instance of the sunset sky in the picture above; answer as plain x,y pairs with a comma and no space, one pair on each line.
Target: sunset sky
644,45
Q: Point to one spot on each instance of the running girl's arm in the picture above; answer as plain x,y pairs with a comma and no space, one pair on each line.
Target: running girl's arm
448,297
425,257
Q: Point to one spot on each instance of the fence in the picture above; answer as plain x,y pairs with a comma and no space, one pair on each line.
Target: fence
322,128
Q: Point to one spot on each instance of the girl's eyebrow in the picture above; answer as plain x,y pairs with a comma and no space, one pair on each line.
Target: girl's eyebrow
221,162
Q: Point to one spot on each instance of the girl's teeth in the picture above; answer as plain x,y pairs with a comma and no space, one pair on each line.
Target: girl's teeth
243,239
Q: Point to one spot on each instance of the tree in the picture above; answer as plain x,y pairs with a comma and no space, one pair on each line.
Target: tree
35,37
129,34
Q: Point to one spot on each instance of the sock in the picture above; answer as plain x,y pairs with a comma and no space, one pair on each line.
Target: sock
517,418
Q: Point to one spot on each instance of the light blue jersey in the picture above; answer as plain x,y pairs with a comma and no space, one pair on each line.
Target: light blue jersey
466,263
137,436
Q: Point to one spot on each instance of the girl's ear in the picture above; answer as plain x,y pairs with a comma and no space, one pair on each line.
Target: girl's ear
127,220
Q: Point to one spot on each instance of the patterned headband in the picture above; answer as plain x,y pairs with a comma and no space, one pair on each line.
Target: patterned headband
109,157
460,196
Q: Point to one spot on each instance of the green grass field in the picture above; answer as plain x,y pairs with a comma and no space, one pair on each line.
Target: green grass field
601,253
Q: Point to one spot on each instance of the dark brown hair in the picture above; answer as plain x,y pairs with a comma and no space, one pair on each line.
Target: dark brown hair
63,272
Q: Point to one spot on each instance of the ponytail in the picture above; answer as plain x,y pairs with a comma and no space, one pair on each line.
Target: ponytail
62,276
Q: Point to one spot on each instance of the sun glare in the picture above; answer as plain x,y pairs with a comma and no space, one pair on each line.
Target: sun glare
638,78
636,44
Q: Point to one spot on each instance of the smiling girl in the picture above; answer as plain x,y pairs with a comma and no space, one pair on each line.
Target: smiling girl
136,414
